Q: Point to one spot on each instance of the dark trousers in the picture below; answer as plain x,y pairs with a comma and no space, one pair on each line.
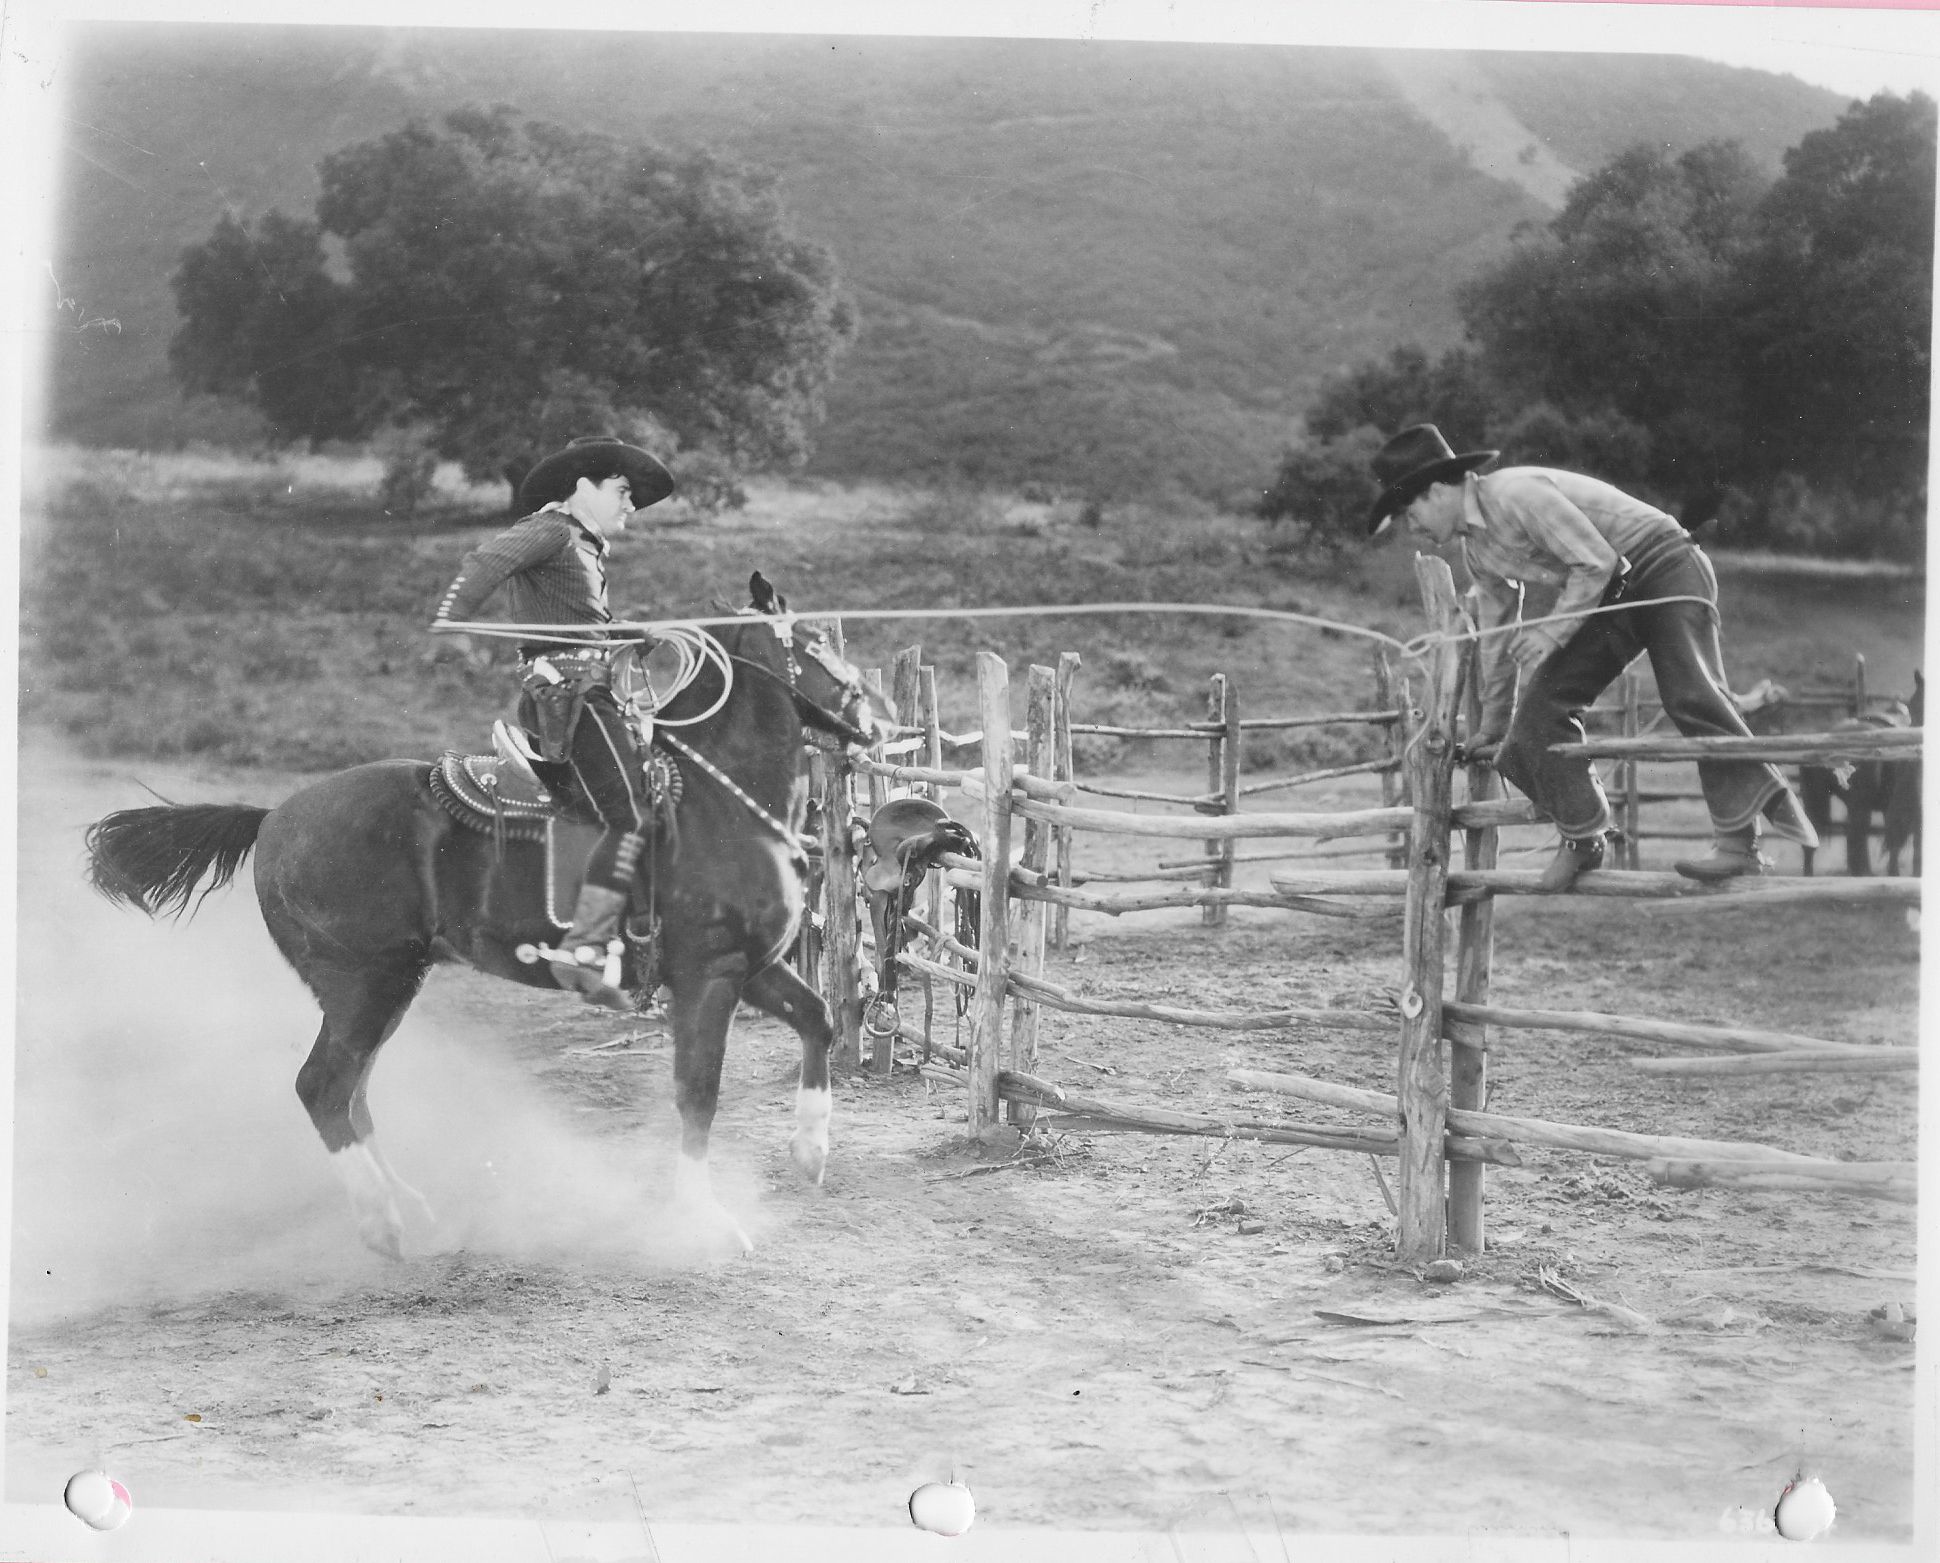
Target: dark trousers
606,770
1681,639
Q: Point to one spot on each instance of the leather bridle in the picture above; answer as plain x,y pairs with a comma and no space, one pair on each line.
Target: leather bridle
844,676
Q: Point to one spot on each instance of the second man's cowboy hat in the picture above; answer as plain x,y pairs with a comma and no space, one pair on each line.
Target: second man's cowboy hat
1409,463
556,477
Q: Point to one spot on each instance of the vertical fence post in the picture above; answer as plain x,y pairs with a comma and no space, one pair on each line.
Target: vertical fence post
932,760
905,690
1391,695
1628,774
1235,759
1421,1086
1220,697
902,695
930,720
1858,685
1064,770
882,1048
1468,1070
841,930
808,943
1029,921
878,787
876,793
993,942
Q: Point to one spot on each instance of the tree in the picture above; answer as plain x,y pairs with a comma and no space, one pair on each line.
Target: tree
1627,304
1447,392
264,320
506,284
1834,348
1322,491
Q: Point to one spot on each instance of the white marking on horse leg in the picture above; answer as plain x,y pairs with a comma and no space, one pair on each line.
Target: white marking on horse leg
398,1184
810,1146
695,1202
693,1182
372,1199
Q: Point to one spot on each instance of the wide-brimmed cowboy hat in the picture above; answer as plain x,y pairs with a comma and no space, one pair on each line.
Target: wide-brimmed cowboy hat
1410,463
597,456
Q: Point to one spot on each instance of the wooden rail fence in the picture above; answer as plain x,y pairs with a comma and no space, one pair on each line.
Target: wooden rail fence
1434,1124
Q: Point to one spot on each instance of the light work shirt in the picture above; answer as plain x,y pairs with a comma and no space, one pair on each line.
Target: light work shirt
1543,527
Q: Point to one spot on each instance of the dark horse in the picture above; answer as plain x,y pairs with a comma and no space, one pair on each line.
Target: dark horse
365,881
1890,788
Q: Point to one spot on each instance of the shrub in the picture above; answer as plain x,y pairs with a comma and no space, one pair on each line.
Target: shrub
1607,444
410,470
955,507
1323,491
707,483
1132,672
1794,516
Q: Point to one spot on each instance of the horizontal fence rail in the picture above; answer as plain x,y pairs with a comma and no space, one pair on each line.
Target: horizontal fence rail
1435,1124
1874,743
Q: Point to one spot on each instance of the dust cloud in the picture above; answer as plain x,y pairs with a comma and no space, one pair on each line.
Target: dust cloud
160,1152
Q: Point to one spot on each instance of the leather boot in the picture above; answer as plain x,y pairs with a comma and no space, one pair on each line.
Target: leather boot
1577,855
580,961
1734,854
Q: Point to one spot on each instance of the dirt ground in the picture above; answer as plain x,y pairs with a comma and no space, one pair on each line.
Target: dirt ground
1122,1331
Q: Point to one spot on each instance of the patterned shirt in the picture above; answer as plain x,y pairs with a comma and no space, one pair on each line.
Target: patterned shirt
1538,526
552,566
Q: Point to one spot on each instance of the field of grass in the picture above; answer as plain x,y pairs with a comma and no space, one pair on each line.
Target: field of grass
269,613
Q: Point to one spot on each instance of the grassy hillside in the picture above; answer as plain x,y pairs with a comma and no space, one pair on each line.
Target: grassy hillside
270,614
1117,267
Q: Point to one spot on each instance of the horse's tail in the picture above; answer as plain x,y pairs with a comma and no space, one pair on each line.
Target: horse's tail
154,858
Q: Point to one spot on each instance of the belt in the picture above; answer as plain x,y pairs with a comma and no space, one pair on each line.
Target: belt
576,654
1655,549
1648,554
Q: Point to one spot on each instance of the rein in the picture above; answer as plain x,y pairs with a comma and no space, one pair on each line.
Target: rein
837,725
796,842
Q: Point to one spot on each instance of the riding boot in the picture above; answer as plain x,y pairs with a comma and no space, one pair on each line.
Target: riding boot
580,961
1577,855
1734,854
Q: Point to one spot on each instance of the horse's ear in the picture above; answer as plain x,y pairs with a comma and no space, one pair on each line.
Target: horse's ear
761,594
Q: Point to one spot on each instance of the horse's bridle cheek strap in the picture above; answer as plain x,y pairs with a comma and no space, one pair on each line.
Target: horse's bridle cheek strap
817,715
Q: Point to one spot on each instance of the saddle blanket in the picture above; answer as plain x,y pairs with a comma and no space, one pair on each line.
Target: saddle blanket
466,786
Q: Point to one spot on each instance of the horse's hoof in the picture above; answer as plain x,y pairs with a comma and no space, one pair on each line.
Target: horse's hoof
384,1240
810,1159
703,1232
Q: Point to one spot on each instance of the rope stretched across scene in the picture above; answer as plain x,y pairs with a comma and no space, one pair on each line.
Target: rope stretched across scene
1413,649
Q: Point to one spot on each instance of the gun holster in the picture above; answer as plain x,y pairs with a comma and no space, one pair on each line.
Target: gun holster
553,698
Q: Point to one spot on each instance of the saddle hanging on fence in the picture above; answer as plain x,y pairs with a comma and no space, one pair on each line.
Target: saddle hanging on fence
907,837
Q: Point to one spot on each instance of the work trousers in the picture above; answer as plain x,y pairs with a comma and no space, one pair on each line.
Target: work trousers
606,772
1681,639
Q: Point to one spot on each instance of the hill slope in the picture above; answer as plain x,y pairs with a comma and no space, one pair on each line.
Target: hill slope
1116,266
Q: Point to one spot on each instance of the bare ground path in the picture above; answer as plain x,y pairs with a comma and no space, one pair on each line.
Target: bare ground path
1090,1340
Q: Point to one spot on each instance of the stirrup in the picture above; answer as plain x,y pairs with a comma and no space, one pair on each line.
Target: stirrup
597,981
515,753
607,970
